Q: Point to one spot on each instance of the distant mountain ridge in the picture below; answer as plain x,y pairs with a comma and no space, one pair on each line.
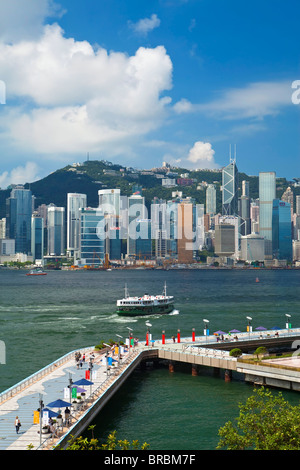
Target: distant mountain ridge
90,176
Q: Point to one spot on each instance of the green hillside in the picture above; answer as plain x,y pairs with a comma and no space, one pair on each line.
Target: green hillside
91,176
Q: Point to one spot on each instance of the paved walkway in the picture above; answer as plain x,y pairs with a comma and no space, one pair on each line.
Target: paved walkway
24,403
52,386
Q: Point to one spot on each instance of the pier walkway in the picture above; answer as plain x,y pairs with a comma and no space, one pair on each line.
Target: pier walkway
50,383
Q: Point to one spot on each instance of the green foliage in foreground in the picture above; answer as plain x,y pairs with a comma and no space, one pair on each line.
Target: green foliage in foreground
266,422
111,443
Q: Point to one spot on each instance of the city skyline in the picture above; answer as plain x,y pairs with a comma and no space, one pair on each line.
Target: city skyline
179,81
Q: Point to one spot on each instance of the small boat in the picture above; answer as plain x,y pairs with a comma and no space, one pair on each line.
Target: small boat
36,272
146,305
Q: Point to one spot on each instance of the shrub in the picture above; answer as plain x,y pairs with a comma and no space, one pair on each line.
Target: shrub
236,352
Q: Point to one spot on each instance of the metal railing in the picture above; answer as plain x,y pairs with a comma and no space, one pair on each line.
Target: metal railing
10,392
96,394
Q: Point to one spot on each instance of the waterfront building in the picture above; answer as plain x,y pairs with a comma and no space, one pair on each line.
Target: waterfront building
254,216
224,239
159,228
7,247
211,204
185,232
138,225
2,228
109,201
288,196
252,248
267,193
19,207
37,237
296,250
56,231
110,204
230,189
172,226
92,237
298,205
282,230
244,209
235,222
75,202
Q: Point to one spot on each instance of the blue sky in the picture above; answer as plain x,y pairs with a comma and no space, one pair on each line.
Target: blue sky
139,83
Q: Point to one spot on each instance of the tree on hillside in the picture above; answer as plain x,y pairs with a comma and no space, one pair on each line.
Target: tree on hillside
265,422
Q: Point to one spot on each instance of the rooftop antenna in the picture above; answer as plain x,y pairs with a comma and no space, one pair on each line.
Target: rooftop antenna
88,156
230,157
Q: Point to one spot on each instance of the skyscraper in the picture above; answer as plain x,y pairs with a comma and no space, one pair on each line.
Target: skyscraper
19,208
37,237
211,205
159,227
56,230
137,227
92,237
282,230
110,204
230,189
75,202
267,193
245,223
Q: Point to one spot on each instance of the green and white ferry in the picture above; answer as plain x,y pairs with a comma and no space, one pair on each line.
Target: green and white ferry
146,305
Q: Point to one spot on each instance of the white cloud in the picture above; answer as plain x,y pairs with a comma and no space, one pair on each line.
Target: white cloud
255,101
201,155
78,98
145,25
24,19
20,175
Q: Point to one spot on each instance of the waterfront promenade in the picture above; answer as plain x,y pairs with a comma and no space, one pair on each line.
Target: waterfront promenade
50,383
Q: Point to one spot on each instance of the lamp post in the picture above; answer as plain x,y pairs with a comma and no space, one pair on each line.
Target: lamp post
41,416
249,327
119,353
106,357
129,338
206,330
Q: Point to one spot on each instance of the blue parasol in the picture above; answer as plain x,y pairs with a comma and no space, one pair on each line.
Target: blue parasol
83,382
59,404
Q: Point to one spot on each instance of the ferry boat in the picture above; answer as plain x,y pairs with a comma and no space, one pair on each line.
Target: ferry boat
146,305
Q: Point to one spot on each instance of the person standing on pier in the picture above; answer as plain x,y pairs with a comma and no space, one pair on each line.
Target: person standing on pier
17,424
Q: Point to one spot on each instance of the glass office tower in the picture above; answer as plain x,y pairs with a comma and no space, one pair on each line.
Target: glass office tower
230,189
267,193
18,213
211,200
110,204
56,230
282,230
136,230
75,202
37,237
92,237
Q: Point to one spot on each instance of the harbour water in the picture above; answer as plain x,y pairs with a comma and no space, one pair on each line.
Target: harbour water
44,317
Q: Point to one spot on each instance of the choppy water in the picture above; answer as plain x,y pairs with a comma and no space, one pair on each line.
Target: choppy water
42,318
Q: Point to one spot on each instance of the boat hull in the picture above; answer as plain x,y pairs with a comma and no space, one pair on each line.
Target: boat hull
141,311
